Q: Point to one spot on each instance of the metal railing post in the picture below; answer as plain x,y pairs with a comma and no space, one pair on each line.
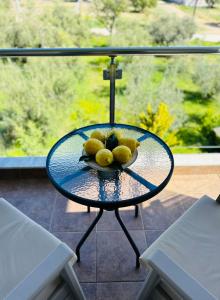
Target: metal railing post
112,75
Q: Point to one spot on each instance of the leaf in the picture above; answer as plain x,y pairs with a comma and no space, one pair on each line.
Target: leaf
85,158
116,166
111,142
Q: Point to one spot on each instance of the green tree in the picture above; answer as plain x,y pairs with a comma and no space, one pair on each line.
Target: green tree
140,5
38,101
5,4
211,3
64,27
148,82
170,29
206,76
109,10
57,26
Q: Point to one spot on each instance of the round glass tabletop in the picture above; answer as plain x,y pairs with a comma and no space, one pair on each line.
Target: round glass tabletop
146,177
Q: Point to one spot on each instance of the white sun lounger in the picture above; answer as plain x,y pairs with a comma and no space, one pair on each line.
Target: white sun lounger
184,262
34,264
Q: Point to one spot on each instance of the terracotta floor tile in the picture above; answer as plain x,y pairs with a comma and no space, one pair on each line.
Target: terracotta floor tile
71,216
89,290
107,268
187,201
191,185
9,185
34,197
86,268
109,221
160,213
118,290
152,235
115,257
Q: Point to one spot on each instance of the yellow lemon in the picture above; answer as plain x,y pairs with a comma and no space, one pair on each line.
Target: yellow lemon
116,132
104,157
130,143
92,146
98,135
122,154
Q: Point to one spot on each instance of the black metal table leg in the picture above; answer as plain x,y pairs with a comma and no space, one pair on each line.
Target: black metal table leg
136,210
133,245
87,233
88,209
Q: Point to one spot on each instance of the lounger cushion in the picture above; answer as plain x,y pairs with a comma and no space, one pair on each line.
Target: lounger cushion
193,242
23,245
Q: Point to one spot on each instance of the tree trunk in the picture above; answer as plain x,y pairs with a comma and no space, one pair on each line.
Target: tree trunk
195,7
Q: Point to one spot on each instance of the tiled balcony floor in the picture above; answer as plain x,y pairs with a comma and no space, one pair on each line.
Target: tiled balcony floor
107,267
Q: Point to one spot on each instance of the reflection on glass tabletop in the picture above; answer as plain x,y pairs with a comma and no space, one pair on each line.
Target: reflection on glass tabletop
146,177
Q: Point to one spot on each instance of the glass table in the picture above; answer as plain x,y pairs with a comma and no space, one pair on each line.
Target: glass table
142,180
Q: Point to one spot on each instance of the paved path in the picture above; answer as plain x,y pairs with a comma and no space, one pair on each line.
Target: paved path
206,29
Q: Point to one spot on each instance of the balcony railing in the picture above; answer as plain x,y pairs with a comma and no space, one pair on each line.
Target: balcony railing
109,51
113,52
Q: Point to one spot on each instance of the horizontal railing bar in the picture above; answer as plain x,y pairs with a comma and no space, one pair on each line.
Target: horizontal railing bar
196,147
108,51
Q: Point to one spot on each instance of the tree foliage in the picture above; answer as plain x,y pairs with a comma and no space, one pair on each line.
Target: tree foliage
211,3
109,10
198,128
148,84
170,29
206,76
140,5
43,98
58,26
37,100
159,122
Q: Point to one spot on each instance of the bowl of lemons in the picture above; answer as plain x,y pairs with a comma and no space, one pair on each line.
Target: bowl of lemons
109,151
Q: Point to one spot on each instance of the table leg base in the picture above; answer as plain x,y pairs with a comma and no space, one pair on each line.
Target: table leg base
87,233
133,245
136,210
85,236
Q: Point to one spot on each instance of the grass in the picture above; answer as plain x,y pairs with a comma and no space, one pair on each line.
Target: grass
185,150
209,14
198,108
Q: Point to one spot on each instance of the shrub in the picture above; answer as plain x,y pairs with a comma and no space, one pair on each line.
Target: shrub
140,5
159,122
198,129
148,82
207,77
169,29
